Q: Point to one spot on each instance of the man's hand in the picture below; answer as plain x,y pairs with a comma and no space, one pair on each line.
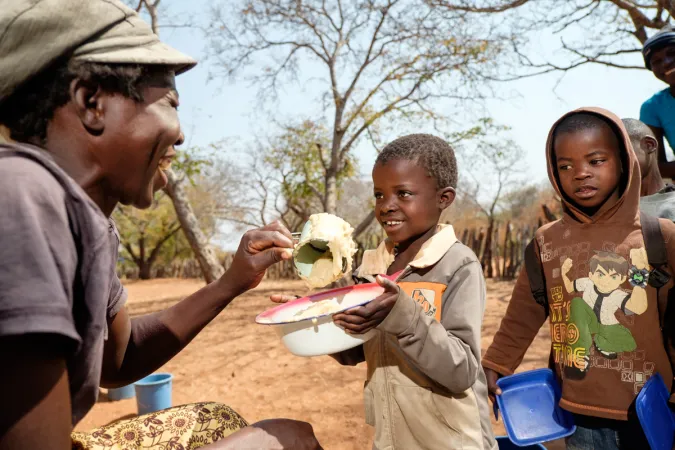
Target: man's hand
258,250
273,434
364,318
288,434
493,389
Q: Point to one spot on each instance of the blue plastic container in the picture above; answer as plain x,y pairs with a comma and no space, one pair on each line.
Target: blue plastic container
121,393
153,393
529,406
505,444
656,418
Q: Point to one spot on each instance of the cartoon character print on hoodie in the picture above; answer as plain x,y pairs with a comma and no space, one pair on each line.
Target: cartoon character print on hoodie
605,327
592,320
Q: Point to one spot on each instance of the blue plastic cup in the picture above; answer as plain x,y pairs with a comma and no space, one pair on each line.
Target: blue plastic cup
121,393
153,393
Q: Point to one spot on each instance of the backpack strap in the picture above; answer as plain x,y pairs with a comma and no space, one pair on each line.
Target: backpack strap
656,250
535,275
658,259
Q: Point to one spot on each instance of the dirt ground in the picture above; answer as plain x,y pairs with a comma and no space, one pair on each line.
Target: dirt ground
237,362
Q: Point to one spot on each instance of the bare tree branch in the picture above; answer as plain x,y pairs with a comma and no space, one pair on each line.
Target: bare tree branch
381,58
469,6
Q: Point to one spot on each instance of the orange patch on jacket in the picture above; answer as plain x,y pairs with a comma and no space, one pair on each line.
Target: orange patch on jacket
428,295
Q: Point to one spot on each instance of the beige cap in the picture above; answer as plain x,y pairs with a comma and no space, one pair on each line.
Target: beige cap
35,33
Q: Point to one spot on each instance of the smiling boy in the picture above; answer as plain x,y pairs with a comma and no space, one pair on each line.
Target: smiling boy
425,386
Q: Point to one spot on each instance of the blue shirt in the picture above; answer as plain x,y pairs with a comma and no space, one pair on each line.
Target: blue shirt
659,112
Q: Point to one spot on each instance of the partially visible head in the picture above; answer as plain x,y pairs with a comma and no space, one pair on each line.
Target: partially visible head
659,54
414,180
588,160
123,116
608,271
94,85
644,145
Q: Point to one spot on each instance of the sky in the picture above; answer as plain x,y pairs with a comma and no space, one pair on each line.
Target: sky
214,110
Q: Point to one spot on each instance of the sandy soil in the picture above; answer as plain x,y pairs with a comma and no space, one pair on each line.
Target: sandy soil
244,365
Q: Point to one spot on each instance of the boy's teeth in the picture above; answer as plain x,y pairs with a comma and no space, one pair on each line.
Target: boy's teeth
393,222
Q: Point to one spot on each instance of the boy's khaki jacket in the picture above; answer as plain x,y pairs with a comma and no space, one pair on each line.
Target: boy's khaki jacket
426,388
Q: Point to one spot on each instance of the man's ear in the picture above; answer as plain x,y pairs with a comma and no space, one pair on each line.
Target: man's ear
87,99
649,145
445,197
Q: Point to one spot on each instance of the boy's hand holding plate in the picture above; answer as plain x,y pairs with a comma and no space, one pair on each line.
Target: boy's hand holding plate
364,318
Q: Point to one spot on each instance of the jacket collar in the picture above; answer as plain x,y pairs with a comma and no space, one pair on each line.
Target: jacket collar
378,261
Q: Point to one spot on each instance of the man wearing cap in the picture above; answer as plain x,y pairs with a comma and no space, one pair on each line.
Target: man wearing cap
659,111
88,120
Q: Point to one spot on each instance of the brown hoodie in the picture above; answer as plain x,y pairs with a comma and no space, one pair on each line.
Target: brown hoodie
606,337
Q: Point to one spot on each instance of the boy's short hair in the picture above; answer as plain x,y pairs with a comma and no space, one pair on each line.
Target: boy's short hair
430,152
28,110
662,38
637,129
609,261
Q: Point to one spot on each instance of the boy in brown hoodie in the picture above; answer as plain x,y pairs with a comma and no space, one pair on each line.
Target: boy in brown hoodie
605,319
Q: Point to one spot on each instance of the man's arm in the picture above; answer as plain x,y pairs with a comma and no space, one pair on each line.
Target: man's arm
137,347
34,394
273,434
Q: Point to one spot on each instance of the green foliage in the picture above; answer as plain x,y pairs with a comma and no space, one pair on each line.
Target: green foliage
302,155
151,235
190,162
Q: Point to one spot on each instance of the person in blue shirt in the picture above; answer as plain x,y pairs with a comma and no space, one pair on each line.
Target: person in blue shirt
659,111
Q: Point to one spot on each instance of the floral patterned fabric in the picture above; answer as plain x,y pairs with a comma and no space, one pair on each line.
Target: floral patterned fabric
184,427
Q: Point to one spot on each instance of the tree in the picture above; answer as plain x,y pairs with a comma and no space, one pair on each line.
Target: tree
298,157
150,237
244,193
204,254
379,58
285,178
499,163
144,233
605,31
